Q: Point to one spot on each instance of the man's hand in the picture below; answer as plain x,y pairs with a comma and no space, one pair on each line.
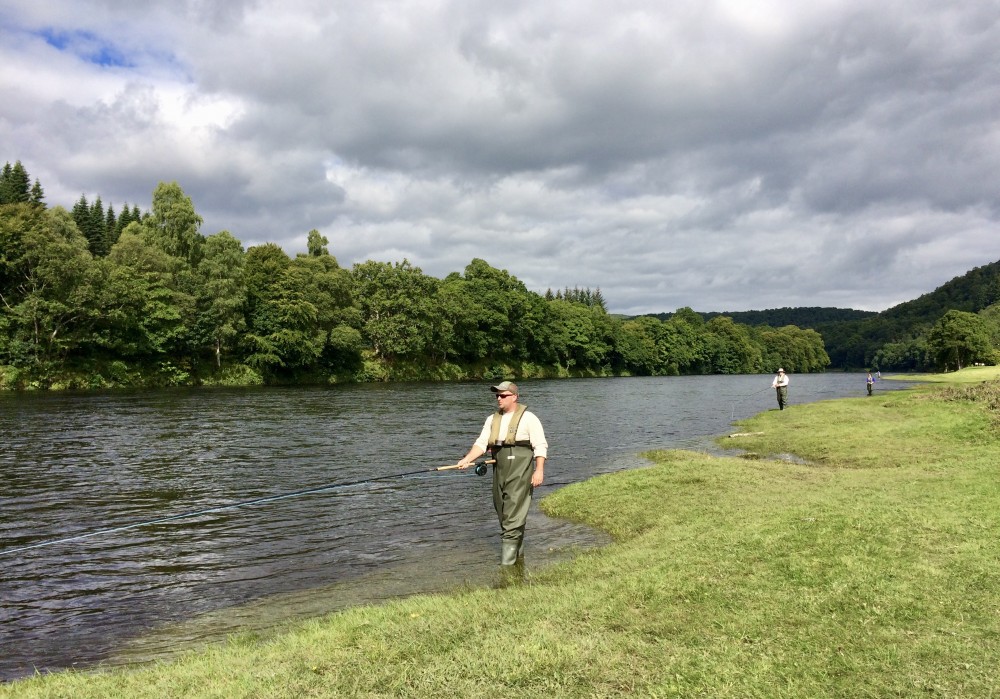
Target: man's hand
537,476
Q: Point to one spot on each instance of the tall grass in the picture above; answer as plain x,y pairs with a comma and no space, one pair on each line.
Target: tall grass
849,548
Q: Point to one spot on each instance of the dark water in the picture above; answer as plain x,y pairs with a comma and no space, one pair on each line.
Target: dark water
73,464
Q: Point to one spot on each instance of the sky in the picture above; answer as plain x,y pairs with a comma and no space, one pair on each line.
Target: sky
724,156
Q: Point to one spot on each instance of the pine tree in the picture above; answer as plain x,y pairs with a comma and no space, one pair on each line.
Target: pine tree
599,300
81,214
110,228
96,232
37,195
15,185
127,216
5,195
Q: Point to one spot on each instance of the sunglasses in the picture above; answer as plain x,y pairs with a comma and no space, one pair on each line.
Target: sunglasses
504,395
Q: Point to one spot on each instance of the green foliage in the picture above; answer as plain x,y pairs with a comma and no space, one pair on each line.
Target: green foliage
235,375
959,339
221,296
174,225
344,349
804,316
143,304
50,284
398,310
575,337
15,184
316,244
284,337
793,348
907,355
730,349
991,323
636,349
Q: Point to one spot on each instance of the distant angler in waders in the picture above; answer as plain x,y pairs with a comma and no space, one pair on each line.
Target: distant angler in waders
515,439
780,385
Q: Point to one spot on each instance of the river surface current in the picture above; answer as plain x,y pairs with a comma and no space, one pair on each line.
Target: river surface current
81,584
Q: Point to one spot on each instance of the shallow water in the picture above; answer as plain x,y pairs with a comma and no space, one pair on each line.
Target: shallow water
76,464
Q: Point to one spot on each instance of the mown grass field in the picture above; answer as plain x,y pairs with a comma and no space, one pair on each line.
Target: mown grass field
850,548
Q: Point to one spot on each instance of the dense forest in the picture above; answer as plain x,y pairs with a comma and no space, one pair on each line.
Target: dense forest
94,298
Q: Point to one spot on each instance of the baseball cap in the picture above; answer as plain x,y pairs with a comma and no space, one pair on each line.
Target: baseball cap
505,386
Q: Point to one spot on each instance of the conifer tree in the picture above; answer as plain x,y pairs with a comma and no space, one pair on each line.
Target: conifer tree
37,195
14,184
96,231
110,225
599,301
4,180
81,214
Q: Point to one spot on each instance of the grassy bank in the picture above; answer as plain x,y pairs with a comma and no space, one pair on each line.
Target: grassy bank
865,566
972,374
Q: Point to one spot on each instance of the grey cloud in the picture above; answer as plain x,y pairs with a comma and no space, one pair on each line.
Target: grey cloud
672,155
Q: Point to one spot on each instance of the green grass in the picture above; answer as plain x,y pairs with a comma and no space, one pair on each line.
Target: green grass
868,570
970,374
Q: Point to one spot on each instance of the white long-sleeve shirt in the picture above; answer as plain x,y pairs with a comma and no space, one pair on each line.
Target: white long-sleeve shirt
529,429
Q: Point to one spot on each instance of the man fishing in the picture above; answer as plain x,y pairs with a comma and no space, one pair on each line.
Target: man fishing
780,384
515,439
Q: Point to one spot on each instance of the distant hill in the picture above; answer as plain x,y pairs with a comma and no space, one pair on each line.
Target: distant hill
805,317
853,337
975,290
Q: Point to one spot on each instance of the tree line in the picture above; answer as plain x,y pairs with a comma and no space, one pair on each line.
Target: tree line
94,298
955,325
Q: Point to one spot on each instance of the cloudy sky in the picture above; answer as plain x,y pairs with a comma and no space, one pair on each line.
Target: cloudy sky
720,155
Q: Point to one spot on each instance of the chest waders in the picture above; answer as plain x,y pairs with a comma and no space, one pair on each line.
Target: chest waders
782,396
511,485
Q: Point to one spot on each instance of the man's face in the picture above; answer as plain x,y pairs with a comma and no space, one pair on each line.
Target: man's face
506,401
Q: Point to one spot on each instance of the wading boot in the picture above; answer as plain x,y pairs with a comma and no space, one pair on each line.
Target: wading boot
511,565
508,552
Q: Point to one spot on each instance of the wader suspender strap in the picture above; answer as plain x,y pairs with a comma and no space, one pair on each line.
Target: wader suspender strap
509,440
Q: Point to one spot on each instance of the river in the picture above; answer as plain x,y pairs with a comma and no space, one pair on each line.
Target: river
76,465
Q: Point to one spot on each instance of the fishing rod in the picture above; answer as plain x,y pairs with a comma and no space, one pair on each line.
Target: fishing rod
480,470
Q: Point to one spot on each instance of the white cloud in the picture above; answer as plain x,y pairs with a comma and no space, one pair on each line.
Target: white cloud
716,155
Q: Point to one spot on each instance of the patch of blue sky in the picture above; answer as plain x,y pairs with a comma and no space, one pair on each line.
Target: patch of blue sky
87,46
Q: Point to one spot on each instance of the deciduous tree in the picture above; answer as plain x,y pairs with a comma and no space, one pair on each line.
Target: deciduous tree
958,339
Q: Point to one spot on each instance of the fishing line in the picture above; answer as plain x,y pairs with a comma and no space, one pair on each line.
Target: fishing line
732,415
480,469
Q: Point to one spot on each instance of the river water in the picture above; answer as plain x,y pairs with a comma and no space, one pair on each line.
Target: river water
75,465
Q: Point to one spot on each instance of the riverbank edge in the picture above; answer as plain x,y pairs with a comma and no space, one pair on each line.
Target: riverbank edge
433,645
121,376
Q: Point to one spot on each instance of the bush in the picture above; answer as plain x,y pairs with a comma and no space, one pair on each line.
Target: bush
235,375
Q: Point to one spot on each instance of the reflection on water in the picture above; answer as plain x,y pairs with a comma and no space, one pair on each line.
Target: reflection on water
73,464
